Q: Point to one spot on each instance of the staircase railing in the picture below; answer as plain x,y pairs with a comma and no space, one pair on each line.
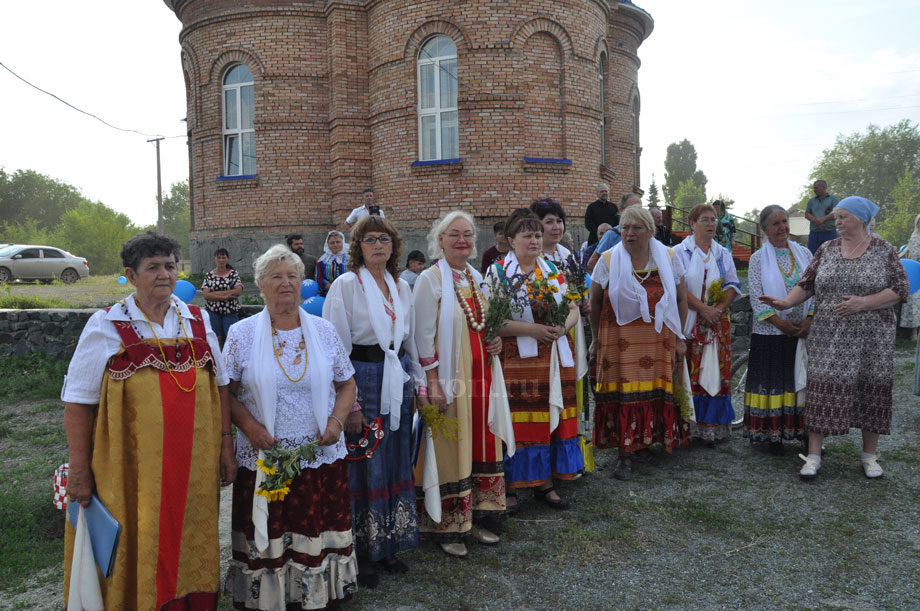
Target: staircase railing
748,239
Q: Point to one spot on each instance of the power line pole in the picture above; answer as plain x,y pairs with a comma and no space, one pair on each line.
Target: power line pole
159,188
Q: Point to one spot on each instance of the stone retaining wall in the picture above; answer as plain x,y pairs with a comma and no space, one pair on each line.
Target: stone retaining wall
55,332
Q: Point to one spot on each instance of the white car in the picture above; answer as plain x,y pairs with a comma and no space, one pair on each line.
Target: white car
36,262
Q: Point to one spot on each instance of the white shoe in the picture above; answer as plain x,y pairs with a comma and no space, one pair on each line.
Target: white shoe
871,467
810,469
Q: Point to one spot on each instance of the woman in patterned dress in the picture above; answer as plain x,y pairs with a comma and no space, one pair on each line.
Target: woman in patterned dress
707,262
638,305
145,406
334,261
371,308
856,279
546,433
222,288
449,312
297,387
773,410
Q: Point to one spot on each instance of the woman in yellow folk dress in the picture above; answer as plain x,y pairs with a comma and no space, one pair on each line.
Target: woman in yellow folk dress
149,434
449,334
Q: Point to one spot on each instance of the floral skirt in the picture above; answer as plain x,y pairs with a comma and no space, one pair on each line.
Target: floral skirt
382,489
310,561
714,414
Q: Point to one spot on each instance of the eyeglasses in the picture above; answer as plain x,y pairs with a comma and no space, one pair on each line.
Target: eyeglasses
456,236
706,220
373,239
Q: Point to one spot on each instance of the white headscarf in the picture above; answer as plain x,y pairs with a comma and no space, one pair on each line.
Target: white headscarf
328,257
913,244
261,383
630,299
698,269
389,333
772,279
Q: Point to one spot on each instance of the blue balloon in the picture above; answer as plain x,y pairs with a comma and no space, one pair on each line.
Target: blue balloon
314,305
308,288
122,280
913,274
185,290
587,280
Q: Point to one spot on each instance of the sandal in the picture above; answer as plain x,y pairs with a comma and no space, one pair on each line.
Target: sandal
541,495
393,565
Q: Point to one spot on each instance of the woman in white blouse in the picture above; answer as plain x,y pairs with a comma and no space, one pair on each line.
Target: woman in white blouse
295,385
143,416
773,409
371,308
449,333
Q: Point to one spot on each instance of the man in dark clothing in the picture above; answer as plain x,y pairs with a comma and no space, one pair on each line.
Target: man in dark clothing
602,210
662,233
498,251
295,243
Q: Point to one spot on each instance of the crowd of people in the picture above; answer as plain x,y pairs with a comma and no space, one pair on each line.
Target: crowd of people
426,400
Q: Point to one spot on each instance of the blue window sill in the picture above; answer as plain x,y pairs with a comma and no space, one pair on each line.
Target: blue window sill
241,177
416,164
547,160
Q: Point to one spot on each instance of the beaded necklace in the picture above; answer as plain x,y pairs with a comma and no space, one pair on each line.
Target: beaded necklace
791,269
475,325
160,345
278,349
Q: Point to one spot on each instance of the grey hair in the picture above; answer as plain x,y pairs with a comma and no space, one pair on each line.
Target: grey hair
279,253
434,248
769,211
602,185
638,213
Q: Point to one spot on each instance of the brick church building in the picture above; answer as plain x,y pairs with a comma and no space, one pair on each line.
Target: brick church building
295,107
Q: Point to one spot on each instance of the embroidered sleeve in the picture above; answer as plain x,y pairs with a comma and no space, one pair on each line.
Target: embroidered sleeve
427,305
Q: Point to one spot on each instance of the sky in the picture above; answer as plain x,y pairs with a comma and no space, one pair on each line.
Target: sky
759,88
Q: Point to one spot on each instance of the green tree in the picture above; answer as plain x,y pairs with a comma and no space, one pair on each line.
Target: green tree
177,218
870,164
26,194
903,208
27,232
688,195
97,232
680,166
653,198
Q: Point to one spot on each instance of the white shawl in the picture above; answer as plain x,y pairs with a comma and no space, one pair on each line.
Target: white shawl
698,269
772,279
261,383
394,377
630,299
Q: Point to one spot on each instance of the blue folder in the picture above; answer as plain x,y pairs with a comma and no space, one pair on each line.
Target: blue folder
104,531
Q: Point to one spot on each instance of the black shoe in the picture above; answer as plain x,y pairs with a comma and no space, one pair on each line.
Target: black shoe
776,448
393,565
540,495
623,470
367,574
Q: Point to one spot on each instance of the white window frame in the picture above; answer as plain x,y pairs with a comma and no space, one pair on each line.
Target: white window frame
239,131
437,110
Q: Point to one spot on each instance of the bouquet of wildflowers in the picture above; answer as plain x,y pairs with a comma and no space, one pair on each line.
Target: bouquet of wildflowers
715,294
439,423
575,279
280,467
541,292
503,303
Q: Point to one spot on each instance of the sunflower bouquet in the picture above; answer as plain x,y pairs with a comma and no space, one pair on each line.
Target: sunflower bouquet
281,466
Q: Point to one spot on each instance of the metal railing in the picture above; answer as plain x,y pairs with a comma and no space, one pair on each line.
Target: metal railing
753,239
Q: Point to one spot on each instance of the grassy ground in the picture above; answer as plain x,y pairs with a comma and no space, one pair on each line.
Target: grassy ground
730,527
91,292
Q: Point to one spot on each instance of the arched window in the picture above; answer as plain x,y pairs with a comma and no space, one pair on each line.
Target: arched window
601,73
239,114
438,131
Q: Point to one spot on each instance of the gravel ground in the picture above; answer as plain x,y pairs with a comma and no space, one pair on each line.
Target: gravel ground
725,528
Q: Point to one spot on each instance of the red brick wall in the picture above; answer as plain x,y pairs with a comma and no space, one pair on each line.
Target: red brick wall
335,94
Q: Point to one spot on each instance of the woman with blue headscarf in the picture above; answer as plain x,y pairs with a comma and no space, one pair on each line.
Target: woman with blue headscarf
856,279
